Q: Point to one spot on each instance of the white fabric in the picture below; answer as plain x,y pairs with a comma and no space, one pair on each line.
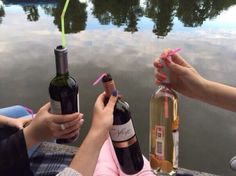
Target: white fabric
69,172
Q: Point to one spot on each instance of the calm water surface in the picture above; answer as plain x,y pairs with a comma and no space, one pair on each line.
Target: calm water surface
123,37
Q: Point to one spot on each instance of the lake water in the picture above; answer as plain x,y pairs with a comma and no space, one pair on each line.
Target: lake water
123,37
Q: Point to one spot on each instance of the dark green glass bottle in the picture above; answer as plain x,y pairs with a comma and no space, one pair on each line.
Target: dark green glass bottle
63,89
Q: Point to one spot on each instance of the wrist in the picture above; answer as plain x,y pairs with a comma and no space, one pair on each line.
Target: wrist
98,136
204,89
29,137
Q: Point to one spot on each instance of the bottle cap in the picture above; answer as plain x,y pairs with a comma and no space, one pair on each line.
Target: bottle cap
108,83
61,59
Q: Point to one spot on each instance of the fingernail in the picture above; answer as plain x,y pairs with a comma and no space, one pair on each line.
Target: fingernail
159,65
163,55
163,76
168,60
81,115
114,93
81,121
157,81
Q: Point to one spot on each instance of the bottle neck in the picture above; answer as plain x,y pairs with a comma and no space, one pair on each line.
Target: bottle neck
61,61
109,86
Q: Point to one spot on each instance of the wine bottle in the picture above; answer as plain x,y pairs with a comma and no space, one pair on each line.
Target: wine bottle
63,89
123,136
163,134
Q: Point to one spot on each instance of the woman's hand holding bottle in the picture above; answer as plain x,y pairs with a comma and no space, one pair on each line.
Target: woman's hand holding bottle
183,77
103,115
187,81
47,126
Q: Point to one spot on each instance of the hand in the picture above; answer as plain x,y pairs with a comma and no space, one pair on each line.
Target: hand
103,115
19,123
183,77
47,126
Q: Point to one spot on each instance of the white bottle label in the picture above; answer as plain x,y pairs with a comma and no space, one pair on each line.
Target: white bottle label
122,132
78,102
176,149
160,142
55,107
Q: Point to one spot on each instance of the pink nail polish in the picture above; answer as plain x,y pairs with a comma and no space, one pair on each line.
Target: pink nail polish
168,60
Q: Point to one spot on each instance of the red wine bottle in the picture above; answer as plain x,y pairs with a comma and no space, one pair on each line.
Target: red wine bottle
124,139
63,89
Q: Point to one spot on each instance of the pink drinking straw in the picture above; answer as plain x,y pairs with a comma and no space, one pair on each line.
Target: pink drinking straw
170,53
99,79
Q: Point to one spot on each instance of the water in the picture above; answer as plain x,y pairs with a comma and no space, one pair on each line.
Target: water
124,37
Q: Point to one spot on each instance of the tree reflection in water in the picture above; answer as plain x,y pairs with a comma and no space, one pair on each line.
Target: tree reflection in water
32,12
2,13
126,13
75,17
118,12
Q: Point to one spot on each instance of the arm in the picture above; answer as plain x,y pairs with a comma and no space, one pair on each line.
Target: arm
86,158
12,122
3,120
187,81
220,95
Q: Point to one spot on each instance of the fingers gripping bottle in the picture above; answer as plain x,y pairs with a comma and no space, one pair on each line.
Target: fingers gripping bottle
163,134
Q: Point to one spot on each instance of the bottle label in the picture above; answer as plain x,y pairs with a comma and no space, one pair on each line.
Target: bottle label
160,142
122,132
176,149
55,107
125,144
78,105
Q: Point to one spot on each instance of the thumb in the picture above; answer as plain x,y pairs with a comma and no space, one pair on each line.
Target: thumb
45,107
112,100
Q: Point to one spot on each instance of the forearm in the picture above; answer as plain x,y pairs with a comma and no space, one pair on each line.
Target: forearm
4,120
86,158
220,95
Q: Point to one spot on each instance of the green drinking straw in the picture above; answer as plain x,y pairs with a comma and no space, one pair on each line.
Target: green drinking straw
62,23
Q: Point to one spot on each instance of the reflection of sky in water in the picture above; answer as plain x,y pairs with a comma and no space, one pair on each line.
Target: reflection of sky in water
27,65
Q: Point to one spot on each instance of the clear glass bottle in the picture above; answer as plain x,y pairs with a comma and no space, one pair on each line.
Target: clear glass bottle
163,134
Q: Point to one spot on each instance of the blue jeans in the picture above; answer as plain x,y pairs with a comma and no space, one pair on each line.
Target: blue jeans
15,111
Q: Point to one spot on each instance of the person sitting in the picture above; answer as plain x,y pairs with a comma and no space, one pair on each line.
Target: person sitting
43,127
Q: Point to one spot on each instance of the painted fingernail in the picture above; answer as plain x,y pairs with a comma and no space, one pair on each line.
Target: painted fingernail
162,76
159,65
168,60
81,121
164,55
157,81
114,93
